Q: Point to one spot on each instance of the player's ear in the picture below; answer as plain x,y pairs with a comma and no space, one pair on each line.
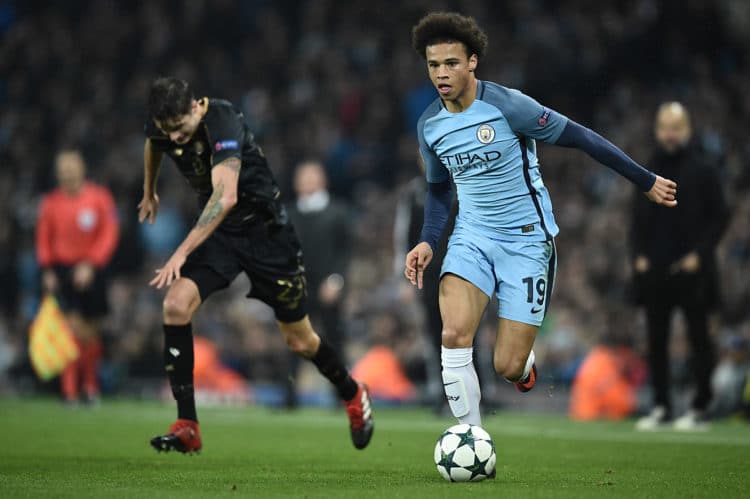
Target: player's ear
473,60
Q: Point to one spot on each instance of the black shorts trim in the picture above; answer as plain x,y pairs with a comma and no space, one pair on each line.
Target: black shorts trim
551,271
532,190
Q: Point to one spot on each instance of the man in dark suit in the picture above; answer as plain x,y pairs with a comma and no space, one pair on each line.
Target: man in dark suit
323,228
675,264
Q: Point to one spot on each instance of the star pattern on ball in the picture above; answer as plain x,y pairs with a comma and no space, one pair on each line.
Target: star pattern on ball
465,444
446,461
478,468
466,439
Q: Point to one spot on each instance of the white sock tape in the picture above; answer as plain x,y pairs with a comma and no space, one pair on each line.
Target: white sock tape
455,392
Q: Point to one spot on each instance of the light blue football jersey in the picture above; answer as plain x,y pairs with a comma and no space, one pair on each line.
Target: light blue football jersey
489,150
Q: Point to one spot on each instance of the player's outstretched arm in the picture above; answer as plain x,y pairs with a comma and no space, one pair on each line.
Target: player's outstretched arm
657,189
224,178
149,205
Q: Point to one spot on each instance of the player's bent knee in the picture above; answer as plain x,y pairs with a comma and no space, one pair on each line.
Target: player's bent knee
176,310
305,347
88,330
510,368
456,338
76,324
181,302
300,338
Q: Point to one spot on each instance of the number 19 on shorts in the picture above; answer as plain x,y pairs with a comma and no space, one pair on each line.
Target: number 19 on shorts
535,293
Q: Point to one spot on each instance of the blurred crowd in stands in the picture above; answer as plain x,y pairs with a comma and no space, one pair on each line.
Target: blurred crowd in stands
339,82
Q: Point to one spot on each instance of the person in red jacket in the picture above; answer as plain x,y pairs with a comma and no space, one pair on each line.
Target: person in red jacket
76,234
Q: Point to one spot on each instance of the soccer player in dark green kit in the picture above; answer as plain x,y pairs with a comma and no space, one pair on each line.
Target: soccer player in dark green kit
243,227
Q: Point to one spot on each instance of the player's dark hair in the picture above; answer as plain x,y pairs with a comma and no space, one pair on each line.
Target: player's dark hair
169,98
447,27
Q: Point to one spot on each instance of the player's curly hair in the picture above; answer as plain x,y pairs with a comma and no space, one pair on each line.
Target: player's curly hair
169,98
441,27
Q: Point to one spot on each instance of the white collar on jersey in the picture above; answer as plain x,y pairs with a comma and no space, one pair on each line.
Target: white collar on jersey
317,201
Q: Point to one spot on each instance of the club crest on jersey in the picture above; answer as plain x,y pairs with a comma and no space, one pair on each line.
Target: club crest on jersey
86,219
544,118
226,144
485,133
199,148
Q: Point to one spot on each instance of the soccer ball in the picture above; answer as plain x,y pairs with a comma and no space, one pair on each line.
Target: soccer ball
465,453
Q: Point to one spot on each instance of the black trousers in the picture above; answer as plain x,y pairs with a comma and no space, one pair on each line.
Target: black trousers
661,294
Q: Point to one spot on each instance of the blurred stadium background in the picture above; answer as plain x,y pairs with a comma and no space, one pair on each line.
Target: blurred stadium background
339,81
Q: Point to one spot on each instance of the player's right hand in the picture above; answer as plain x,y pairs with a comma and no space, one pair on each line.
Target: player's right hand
663,192
148,208
416,261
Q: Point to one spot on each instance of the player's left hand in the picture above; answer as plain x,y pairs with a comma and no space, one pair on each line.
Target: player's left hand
170,272
83,275
663,192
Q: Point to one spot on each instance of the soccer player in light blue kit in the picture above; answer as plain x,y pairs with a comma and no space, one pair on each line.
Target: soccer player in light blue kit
482,135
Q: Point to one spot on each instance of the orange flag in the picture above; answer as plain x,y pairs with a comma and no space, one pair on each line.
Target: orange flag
51,343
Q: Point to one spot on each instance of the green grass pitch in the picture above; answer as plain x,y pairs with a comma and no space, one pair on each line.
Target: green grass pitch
50,451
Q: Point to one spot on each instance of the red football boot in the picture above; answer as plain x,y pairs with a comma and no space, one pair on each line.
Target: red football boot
183,436
525,386
361,423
